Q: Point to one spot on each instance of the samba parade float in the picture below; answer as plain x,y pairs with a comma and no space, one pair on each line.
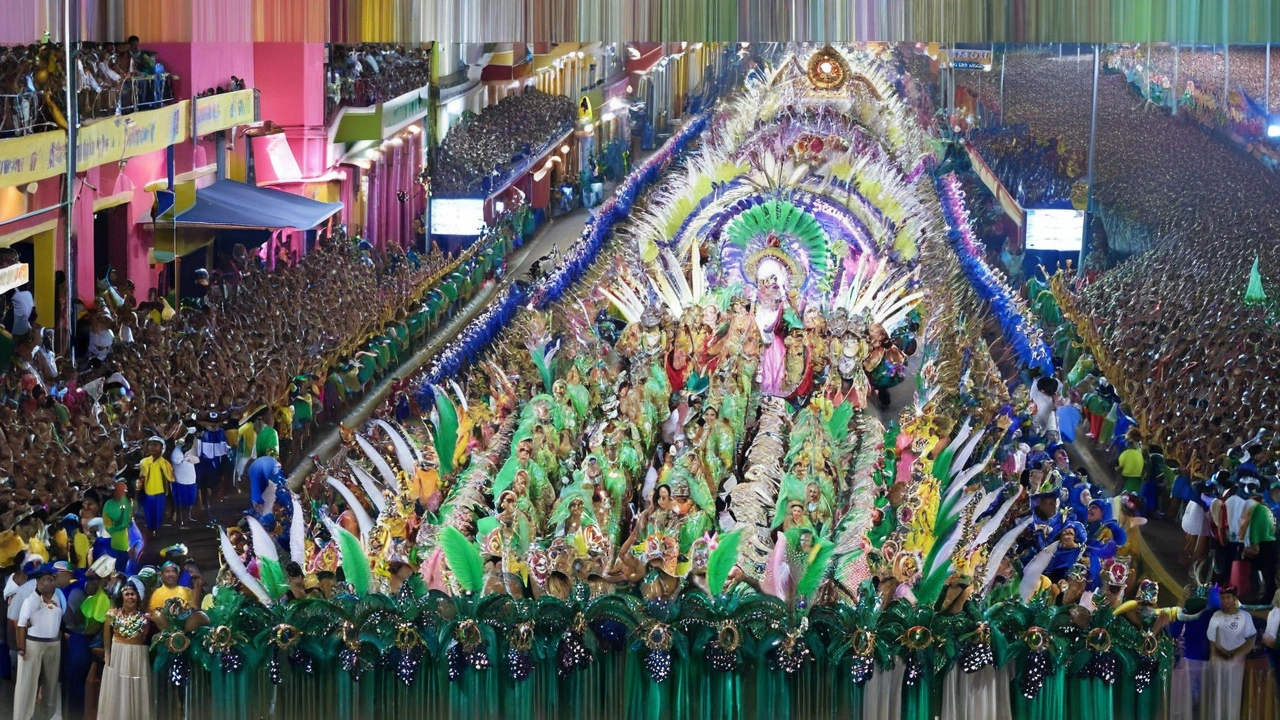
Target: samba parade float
745,453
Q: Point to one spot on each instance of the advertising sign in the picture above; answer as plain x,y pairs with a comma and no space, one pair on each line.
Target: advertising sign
463,216
970,59
44,155
14,276
225,110
1058,230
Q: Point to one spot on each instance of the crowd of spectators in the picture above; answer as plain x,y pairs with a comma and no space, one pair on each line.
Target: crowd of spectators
367,74
1039,172
1219,482
113,79
1205,66
81,612
482,146
250,342
1195,362
1230,99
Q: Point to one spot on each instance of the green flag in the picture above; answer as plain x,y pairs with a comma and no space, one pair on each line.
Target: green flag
1254,294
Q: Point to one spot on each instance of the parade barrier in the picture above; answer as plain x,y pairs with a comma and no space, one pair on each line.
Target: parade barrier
1020,329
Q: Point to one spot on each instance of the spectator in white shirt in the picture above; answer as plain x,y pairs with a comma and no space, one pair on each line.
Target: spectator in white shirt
184,459
1230,636
17,588
39,653
23,303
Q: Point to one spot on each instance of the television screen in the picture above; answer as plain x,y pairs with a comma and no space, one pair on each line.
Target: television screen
1058,230
457,216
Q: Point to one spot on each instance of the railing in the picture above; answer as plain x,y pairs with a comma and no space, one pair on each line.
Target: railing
368,74
28,112
22,114
131,94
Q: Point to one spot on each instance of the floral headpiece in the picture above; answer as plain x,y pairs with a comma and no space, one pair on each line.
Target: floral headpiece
1148,591
1116,572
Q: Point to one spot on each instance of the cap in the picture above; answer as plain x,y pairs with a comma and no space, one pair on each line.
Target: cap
98,526
103,567
174,549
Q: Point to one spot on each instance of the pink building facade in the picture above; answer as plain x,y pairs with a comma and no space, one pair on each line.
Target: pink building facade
276,47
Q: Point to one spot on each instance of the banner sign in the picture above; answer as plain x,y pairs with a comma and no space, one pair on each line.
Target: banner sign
997,188
14,276
399,113
33,157
43,155
970,59
213,113
126,136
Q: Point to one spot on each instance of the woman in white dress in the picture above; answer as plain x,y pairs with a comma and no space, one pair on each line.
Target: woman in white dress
1230,635
126,679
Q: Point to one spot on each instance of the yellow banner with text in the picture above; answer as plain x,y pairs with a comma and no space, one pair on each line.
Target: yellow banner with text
44,155
225,110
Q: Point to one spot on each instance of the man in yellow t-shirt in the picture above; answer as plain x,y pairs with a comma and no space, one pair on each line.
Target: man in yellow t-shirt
155,474
1132,463
246,444
169,589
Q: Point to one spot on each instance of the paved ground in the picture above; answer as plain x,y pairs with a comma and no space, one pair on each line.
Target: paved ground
1163,535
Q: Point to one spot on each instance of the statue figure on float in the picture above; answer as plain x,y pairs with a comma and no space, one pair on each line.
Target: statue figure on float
772,284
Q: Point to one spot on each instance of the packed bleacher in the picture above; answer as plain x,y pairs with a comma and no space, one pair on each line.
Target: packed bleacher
1223,92
1170,323
369,73
1037,171
112,79
483,148
288,346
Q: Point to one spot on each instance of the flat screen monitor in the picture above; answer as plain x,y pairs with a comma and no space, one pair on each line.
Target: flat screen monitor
1057,230
457,216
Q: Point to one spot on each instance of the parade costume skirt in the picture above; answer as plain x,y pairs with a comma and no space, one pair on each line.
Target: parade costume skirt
208,476
153,507
184,495
126,684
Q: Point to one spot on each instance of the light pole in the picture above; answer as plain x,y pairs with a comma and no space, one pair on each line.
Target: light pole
70,26
1093,141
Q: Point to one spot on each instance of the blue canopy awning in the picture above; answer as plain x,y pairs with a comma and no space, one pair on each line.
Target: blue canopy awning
228,204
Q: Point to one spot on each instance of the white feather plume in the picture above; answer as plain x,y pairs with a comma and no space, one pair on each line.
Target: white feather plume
371,488
237,568
1034,569
379,463
1002,548
404,453
297,534
264,546
362,517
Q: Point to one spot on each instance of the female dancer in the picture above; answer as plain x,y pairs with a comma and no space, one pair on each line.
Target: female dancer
126,679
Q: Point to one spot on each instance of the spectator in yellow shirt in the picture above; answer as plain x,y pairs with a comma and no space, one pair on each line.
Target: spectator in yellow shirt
169,589
155,474
246,444
1132,462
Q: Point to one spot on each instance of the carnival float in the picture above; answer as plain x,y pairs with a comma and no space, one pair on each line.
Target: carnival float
664,482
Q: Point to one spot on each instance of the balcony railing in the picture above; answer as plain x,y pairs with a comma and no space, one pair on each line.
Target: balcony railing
22,114
371,73
108,84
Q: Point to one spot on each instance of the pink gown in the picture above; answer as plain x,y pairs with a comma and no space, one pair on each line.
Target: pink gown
773,355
